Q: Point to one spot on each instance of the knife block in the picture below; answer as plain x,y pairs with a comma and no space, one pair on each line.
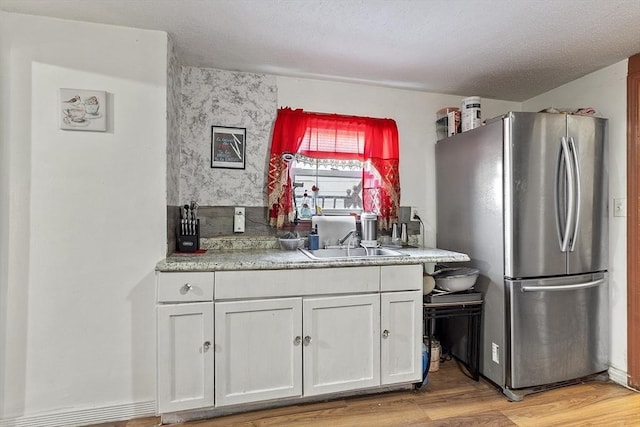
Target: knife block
189,242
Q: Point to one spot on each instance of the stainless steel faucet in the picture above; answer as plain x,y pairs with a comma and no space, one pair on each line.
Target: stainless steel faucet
344,239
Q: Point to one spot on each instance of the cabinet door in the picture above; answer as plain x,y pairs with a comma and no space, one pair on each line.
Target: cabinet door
341,344
258,350
401,325
185,356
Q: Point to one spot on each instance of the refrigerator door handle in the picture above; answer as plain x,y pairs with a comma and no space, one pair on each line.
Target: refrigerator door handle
559,194
563,287
576,212
565,158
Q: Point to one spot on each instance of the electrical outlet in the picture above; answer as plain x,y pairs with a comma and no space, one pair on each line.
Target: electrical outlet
619,207
414,214
495,353
238,220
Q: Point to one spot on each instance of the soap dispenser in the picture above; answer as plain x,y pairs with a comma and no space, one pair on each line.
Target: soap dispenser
314,239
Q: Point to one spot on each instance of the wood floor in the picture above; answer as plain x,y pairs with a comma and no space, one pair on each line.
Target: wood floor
450,399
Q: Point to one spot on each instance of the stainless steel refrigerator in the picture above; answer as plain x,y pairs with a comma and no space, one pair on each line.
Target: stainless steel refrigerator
526,196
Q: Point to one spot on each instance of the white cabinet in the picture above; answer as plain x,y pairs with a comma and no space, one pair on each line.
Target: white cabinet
185,287
341,343
255,336
261,344
401,323
258,350
185,341
248,284
185,356
400,348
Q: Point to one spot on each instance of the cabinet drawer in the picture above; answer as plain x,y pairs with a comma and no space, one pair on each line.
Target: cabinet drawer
296,282
401,277
185,287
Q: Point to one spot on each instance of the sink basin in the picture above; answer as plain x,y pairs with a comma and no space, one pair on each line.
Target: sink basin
340,253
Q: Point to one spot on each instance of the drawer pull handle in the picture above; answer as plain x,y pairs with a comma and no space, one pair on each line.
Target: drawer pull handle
385,333
307,340
187,287
297,340
207,345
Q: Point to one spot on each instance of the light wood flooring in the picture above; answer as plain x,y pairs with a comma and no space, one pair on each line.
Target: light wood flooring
450,399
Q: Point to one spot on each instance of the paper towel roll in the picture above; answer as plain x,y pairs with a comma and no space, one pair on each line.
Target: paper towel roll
332,228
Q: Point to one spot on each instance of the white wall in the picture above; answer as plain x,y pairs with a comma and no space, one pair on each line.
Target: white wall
83,215
605,90
415,115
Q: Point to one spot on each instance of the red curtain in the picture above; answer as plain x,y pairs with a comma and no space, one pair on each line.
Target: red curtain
288,131
334,136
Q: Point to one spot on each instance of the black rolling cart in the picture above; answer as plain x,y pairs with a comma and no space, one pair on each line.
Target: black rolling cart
444,306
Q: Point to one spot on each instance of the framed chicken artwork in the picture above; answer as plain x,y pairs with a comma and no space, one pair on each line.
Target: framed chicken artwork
83,110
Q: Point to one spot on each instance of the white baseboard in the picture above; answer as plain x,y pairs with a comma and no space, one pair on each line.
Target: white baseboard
618,376
85,416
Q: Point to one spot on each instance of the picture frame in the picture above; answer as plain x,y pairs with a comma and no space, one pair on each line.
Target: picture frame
84,110
228,147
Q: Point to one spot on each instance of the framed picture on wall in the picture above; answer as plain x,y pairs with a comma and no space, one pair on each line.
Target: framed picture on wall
83,110
228,147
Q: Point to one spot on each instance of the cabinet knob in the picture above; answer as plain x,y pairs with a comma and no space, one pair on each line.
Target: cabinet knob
297,340
307,340
385,333
207,345
187,287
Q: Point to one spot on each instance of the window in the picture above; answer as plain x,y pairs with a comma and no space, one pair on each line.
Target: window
329,163
326,186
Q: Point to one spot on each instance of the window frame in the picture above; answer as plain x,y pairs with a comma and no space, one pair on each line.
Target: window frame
356,174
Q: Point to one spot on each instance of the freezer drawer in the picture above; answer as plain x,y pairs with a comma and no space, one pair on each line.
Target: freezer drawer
556,329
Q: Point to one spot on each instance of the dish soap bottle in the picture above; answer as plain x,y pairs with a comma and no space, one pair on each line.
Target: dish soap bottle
314,239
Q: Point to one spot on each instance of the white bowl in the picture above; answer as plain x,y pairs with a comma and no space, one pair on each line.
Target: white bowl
290,244
456,279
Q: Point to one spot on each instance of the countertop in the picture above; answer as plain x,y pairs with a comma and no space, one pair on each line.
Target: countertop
277,259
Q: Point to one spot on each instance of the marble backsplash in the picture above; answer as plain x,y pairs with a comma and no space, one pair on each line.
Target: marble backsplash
174,74
224,98
216,229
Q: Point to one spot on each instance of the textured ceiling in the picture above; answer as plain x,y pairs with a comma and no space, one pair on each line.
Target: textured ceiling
501,49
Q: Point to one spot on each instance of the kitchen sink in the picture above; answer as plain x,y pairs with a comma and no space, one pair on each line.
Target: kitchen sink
344,253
